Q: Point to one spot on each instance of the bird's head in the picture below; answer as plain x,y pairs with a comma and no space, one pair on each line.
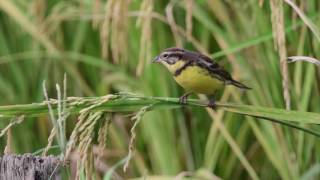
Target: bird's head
171,58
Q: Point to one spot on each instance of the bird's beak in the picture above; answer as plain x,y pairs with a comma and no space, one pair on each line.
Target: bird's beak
156,59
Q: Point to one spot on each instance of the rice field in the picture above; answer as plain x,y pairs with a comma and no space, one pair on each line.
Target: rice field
77,82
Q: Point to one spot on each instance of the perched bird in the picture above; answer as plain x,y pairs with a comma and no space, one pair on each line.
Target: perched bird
196,72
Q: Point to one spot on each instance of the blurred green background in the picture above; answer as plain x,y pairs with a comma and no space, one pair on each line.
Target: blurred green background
107,46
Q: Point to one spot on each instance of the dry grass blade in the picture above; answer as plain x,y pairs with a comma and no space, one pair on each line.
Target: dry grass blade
279,34
146,34
261,3
51,113
189,7
13,122
105,30
50,141
96,9
7,130
305,19
176,29
304,58
172,23
218,123
13,11
8,149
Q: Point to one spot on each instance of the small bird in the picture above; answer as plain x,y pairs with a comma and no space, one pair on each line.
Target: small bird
196,72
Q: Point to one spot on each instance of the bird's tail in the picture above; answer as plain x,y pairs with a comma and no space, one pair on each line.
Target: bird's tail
238,84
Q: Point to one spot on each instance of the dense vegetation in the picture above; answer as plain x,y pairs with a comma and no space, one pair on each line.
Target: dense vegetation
106,47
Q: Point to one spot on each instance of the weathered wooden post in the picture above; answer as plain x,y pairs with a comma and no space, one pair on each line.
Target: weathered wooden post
29,167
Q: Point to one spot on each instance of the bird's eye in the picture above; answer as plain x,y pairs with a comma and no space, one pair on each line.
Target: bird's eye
165,55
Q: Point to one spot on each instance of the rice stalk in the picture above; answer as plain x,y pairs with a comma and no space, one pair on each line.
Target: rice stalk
114,30
178,30
9,8
85,143
7,130
58,123
145,22
53,21
280,44
51,137
261,2
129,103
74,137
120,31
217,33
234,146
96,9
189,7
62,116
9,148
82,136
211,152
315,30
97,102
105,30
38,12
278,28
13,121
172,23
65,113
103,135
137,118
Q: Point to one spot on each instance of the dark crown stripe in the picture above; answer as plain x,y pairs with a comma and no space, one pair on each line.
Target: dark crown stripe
174,49
176,55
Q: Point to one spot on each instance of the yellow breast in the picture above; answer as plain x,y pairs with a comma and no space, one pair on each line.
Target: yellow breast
198,80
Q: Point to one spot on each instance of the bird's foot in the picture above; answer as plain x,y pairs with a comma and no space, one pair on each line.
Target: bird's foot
184,98
212,104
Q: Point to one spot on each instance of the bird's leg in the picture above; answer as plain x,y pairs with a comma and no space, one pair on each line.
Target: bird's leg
212,104
183,99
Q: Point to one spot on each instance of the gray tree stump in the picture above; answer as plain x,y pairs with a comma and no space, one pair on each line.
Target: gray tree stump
29,167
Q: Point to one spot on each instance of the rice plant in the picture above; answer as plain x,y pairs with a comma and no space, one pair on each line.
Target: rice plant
105,48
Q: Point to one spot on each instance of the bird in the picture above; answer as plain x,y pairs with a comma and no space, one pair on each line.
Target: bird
196,73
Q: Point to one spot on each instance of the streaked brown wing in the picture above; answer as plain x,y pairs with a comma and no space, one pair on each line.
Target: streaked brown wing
213,68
